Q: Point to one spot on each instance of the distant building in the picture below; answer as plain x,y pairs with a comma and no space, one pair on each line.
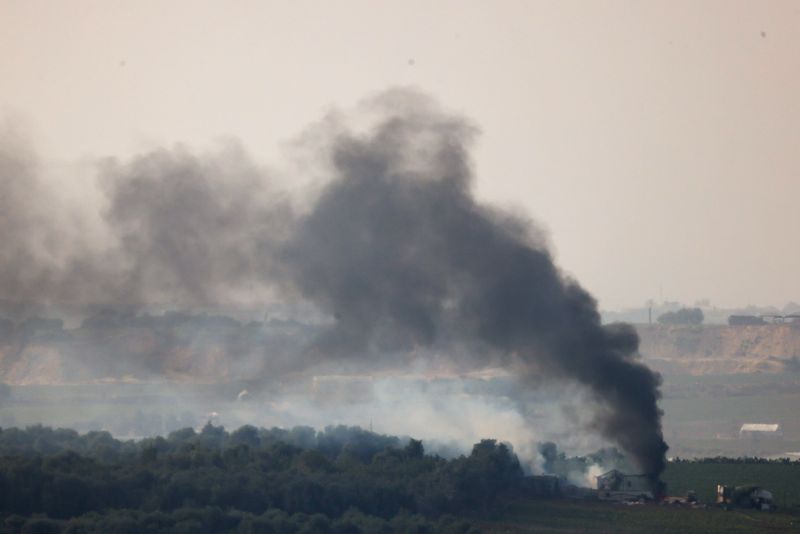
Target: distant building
745,497
618,486
741,320
756,430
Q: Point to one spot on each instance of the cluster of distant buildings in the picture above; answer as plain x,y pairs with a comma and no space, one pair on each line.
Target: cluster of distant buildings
744,320
621,487
616,486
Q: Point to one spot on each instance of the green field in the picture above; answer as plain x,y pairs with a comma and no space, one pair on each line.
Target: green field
734,410
783,480
562,516
703,414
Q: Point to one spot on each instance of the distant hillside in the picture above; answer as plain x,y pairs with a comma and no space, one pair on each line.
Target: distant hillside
212,349
721,349
174,346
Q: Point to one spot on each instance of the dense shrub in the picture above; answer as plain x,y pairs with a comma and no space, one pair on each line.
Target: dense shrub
252,480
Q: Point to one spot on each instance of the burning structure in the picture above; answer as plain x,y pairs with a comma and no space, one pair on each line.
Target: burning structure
617,486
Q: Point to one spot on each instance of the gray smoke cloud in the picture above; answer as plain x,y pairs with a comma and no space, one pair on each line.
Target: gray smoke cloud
24,230
200,230
393,247
398,250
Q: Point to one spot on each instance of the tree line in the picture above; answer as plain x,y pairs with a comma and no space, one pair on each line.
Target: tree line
341,479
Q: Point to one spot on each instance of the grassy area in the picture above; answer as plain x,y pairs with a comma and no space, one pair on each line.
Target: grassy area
783,480
704,420
562,516
758,408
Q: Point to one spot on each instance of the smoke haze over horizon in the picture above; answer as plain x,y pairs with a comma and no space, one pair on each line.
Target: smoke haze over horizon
391,246
658,149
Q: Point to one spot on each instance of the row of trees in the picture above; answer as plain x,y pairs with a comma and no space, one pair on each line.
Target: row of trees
249,476
42,440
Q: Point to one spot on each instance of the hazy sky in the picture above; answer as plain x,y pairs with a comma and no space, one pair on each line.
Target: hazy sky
658,142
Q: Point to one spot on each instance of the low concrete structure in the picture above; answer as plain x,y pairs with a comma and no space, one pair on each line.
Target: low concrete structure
756,430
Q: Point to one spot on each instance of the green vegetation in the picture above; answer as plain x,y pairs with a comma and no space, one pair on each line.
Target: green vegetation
563,516
782,478
250,480
340,480
703,414
212,520
694,426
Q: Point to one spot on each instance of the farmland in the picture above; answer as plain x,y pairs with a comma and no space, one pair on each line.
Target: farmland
557,516
338,480
562,516
782,479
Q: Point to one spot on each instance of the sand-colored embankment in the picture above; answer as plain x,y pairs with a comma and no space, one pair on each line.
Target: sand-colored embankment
142,354
720,349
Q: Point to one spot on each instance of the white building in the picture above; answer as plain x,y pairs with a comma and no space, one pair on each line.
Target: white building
617,486
756,430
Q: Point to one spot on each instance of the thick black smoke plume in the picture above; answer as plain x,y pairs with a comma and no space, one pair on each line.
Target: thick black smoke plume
393,247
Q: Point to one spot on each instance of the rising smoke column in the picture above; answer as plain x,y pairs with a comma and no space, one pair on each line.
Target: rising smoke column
24,264
398,250
393,247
